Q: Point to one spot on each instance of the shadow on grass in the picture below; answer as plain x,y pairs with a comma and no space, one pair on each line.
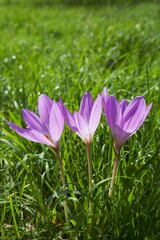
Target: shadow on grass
78,3
90,3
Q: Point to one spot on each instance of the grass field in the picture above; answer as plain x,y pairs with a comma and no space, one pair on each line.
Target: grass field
62,50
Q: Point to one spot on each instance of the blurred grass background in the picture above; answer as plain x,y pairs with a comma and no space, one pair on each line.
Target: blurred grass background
62,49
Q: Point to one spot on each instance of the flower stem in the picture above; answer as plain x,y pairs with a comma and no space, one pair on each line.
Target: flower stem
88,149
63,184
113,177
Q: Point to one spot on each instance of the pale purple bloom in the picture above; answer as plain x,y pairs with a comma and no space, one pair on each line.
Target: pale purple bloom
124,119
85,122
104,95
45,128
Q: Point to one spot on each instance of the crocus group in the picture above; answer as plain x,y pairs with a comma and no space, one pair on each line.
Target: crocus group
123,119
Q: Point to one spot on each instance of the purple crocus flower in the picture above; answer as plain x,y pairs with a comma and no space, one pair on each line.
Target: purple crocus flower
85,122
45,128
124,119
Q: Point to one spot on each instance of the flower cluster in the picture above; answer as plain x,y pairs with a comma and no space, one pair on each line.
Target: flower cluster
123,119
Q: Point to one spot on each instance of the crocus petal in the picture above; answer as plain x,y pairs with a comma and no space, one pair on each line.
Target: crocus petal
123,105
22,132
144,116
39,137
69,118
95,115
112,113
104,95
120,138
81,126
56,122
86,106
33,121
133,114
147,111
44,108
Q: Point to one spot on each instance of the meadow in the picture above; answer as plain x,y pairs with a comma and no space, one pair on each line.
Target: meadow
63,49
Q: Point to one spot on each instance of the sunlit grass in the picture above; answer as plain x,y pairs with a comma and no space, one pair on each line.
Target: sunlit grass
64,50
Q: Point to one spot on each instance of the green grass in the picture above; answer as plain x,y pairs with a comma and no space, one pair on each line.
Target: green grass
63,50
